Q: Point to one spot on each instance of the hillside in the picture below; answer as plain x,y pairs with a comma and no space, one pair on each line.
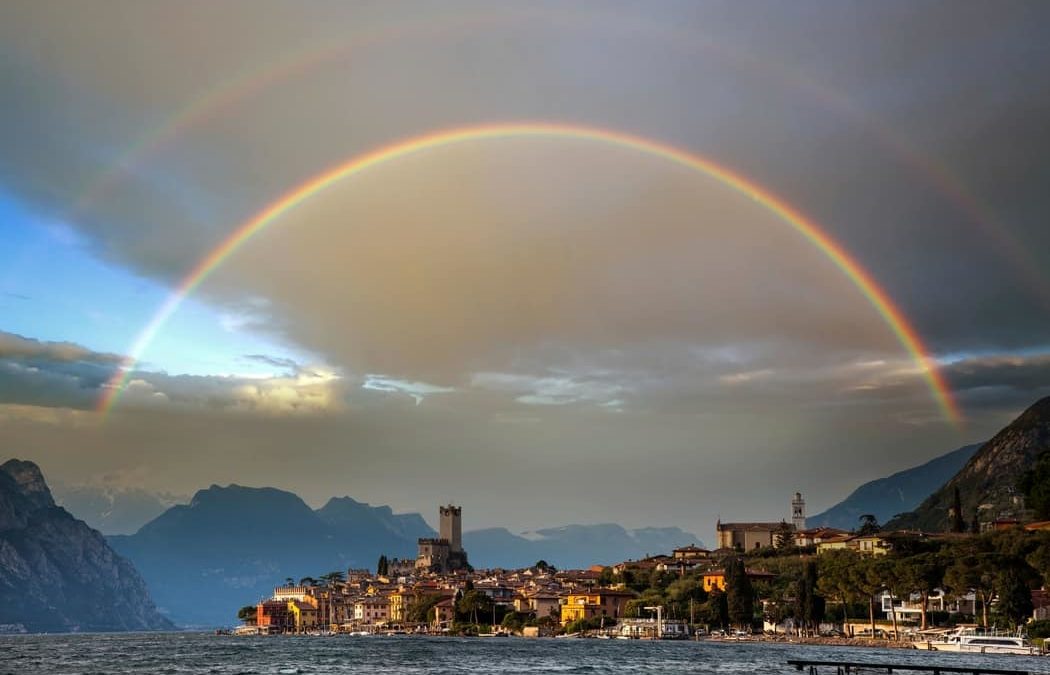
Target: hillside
56,573
886,497
987,482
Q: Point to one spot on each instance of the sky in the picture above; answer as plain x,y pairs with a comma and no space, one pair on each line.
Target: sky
546,328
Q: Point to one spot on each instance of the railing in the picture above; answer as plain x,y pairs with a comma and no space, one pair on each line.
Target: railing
847,667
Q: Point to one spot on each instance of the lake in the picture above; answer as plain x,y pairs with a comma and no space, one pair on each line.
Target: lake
178,653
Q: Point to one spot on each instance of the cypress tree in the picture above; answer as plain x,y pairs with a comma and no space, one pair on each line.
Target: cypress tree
740,597
957,517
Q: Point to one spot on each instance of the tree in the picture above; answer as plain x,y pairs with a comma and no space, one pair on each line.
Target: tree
784,537
866,576
307,581
921,574
247,614
810,602
1035,485
715,611
544,566
869,525
1014,592
740,597
835,579
975,572
383,566
957,522
472,605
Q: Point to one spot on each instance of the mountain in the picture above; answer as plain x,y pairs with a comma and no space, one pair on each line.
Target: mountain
56,573
886,497
987,482
111,509
571,546
231,545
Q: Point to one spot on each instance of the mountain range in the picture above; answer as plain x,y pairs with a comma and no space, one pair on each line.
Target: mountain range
987,483
886,497
56,573
231,545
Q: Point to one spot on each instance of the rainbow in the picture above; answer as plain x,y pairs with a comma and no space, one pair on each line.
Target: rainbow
864,282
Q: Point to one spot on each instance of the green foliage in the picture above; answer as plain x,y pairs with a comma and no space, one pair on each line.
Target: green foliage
869,525
247,613
514,621
1035,485
544,566
383,566
607,577
420,610
715,612
784,537
474,606
957,523
740,597
1039,629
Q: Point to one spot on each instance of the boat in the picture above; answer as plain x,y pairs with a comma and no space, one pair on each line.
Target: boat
974,641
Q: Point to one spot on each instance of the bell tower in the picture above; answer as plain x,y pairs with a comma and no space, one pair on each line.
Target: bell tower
798,512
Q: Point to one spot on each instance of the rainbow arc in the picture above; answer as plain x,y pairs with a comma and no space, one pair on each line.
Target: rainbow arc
876,296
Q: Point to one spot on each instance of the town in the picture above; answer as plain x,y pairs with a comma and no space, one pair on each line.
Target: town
776,579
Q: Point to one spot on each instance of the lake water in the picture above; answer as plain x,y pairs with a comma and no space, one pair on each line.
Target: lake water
171,653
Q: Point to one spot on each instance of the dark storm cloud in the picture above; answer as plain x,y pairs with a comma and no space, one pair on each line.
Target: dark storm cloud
555,303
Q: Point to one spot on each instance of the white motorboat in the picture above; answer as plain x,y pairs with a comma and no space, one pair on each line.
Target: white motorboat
973,641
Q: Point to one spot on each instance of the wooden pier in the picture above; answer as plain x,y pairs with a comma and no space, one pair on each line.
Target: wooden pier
848,667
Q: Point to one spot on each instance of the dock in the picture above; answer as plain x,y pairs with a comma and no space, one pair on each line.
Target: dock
848,667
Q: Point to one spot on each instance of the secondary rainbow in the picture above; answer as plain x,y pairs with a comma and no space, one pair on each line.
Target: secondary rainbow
847,264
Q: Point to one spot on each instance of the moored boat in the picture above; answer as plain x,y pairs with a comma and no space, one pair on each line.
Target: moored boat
973,641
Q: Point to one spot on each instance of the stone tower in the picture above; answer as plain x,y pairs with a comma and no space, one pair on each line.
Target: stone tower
798,512
451,527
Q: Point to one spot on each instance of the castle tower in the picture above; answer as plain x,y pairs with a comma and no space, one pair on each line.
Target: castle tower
798,512
451,527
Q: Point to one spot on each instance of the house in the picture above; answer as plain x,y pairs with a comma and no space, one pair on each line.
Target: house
592,603
716,579
372,610
304,615
816,535
690,552
273,616
869,544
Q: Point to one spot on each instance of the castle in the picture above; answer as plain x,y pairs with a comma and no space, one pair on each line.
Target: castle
445,553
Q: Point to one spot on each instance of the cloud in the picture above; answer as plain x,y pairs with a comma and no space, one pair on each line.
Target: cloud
59,374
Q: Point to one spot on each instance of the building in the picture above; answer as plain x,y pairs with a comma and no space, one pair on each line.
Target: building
451,527
594,603
691,552
747,536
798,512
817,535
715,580
445,553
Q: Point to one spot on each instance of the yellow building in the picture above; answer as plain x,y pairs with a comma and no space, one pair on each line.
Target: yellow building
597,602
716,579
400,600
304,614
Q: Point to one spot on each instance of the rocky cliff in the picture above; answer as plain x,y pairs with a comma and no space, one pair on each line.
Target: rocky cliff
988,482
56,573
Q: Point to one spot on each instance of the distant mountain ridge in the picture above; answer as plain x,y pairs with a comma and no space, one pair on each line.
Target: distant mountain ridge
56,573
901,492
114,509
987,483
231,545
